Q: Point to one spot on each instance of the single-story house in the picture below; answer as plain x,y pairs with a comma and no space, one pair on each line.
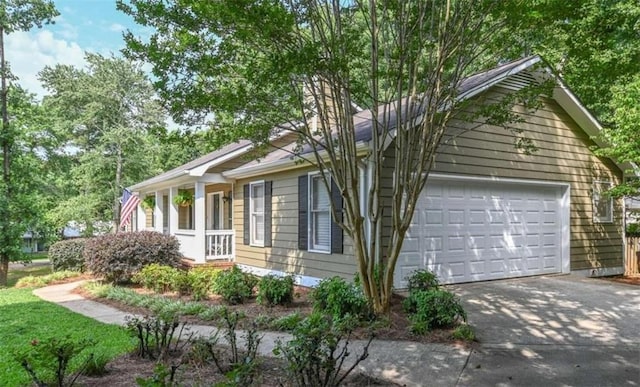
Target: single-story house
31,242
487,212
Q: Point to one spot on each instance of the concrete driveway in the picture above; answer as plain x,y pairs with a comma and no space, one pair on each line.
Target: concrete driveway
552,331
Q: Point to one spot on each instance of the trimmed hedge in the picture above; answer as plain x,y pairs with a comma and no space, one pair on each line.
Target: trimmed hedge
67,255
117,257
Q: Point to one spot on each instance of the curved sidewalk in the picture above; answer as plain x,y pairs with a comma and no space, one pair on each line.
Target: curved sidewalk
402,362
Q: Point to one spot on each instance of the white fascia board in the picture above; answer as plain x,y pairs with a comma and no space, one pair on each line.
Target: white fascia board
585,120
292,162
143,186
184,179
493,81
202,169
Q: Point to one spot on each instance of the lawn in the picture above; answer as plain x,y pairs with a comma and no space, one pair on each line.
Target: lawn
15,275
25,317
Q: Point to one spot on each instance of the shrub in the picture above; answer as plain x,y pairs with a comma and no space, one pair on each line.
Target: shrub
67,255
117,257
238,364
158,335
48,362
422,280
200,280
334,296
159,278
273,290
429,309
316,354
234,286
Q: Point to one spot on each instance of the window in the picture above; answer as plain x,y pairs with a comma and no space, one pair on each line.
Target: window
256,213
602,203
319,215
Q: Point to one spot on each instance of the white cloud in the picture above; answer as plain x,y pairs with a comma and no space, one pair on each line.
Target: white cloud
117,27
29,52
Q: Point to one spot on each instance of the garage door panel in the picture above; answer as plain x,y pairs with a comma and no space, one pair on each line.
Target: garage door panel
486,230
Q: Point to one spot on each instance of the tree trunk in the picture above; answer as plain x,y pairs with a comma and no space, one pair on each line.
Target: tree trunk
6,138
116,199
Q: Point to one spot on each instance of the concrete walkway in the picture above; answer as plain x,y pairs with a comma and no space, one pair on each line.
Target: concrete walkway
405,363
551,331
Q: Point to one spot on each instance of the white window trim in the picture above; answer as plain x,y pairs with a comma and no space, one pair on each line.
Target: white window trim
599,219
310,246
252,241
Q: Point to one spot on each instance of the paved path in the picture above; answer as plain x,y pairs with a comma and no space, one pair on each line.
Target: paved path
551,331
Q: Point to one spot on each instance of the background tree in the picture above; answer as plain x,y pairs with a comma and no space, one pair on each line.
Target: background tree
260,66
15,15
107,112
595,46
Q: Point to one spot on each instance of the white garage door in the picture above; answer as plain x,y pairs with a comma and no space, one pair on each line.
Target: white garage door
480,230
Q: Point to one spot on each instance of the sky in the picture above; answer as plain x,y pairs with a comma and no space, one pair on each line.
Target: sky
83,26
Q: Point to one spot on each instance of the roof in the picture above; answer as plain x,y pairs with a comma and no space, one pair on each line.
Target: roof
469,87
202,163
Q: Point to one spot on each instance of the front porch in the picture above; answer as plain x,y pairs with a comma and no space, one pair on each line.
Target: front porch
199,215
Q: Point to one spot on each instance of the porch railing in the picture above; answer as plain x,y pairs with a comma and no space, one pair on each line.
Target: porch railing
220,244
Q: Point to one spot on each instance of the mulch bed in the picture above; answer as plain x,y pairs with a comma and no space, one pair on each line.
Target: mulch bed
629,280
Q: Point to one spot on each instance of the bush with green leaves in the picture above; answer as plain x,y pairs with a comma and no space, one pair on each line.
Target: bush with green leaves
428,309
238,364
234,285
633,230
422,280
316,354
159,278
67,255
200,281
336,297
159,335
117,257
275,290
48,361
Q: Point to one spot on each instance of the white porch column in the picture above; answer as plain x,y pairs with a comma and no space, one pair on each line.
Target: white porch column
141,219
157,212
199,221
173,211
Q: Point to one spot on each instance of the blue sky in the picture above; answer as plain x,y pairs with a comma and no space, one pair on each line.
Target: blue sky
83,25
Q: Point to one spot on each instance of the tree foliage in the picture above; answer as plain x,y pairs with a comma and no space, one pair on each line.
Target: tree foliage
15,15
105,114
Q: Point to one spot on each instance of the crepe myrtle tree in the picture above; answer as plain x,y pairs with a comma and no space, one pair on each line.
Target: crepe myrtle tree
15,15
303,65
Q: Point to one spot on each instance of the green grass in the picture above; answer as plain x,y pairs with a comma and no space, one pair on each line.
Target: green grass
16,274
25,317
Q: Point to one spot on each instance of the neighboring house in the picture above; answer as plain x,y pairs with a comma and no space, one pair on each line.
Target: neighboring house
488,211
31,242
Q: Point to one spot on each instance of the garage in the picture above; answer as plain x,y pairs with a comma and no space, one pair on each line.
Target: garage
468,230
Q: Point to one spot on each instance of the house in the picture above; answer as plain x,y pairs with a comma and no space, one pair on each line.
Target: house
488,211
31,242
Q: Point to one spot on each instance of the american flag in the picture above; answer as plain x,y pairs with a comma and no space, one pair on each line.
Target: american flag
128,205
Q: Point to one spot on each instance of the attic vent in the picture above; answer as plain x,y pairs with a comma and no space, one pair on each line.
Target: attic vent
518,81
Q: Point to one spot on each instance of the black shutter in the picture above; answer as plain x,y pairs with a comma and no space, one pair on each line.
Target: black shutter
303,206
245,217
336,231
267,214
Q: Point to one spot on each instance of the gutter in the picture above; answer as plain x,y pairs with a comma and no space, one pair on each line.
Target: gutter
281,165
